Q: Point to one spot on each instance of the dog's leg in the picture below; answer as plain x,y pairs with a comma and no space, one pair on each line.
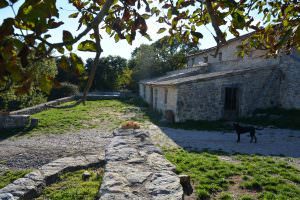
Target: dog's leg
238,140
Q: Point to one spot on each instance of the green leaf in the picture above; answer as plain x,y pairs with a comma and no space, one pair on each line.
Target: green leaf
129,39
74,15
117,38
77,63
67,36
161,30
3,4
60,50
87,45
63,63
69,47
169,13
146,16
197,34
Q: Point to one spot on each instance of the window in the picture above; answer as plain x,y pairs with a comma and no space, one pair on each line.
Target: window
220,56
231,98
205,59
193,62
166,96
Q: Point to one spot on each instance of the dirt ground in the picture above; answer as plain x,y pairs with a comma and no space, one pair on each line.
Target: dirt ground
35,151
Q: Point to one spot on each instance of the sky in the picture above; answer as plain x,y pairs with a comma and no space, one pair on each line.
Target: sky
122,48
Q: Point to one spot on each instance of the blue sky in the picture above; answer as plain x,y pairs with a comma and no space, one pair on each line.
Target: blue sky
122,48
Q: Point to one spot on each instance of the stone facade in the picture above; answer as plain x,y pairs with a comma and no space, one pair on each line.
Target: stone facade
226,86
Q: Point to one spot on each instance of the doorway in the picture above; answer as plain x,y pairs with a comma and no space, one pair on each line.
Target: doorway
231,103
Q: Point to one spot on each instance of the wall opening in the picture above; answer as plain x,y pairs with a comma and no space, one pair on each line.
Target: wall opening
166,96
220,56
231,98
231,103
144,91
205,59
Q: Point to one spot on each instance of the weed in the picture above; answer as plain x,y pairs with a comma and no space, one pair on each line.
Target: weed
10,176
72,187
264,175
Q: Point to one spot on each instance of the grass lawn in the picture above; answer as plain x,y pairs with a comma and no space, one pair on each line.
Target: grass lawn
104,114
9,176
240,177
71,186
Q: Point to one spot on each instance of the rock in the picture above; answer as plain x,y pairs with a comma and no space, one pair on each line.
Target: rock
137,170
34,122
14,121
7,196
86,176
186,184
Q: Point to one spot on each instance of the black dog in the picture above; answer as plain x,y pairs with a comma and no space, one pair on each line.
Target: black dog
245,129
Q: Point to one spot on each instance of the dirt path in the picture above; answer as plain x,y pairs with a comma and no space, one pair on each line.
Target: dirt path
35,151
270,141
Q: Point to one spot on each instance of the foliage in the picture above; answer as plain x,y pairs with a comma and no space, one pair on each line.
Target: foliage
10,176
124,80
63,90
69,71
158,58
71,186
16,98
9,101
108,71
211,176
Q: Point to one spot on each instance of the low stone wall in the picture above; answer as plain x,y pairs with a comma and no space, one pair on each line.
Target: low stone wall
137,170
14,121
32,184
43,106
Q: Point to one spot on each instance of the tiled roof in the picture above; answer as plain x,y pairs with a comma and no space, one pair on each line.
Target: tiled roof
209,76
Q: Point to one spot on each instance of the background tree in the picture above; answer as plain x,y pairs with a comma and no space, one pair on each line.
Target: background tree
107,72
148,61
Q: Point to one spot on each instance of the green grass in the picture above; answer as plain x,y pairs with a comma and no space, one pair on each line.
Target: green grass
104,114
72,187
10,176
270,178
277,117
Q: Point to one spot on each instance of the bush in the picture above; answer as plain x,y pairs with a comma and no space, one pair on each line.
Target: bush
64,90
10,102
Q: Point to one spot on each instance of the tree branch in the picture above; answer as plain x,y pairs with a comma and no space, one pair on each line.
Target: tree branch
220,37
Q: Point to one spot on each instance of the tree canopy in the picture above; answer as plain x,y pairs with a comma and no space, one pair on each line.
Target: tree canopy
25,38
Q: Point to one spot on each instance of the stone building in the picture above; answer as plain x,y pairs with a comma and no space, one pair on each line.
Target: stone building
226,86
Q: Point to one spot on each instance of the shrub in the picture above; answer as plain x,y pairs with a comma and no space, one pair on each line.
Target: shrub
65,89
225,196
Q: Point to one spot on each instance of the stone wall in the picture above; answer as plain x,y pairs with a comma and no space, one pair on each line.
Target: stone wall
290,85
43,106
14,121
204,100
162,104
136,169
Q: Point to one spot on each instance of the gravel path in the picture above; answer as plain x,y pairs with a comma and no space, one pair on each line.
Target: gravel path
35,151
270,141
